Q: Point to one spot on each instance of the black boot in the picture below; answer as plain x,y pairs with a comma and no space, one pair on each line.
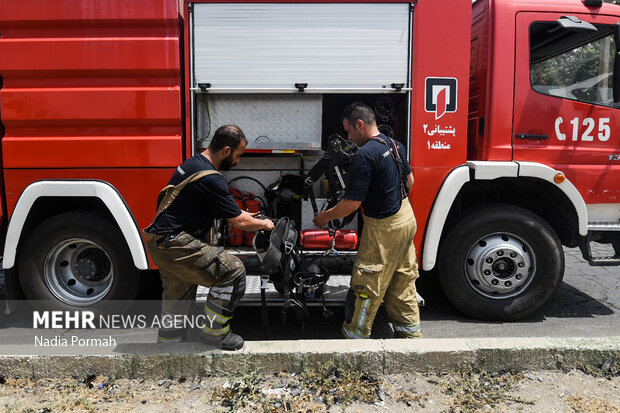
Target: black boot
228,342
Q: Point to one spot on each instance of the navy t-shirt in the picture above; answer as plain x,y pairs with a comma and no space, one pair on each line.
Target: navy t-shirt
199,203
374,179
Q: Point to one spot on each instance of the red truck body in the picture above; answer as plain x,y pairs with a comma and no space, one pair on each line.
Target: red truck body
98,106
90,92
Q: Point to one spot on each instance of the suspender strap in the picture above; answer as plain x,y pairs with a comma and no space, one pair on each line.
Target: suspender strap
170,192
398,159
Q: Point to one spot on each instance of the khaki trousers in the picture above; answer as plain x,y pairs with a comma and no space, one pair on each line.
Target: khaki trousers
385,270
184,263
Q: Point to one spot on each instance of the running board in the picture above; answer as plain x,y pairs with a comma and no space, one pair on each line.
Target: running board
335,293
586,249
603,226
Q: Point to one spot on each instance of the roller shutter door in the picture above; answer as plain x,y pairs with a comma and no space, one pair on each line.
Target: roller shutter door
329,46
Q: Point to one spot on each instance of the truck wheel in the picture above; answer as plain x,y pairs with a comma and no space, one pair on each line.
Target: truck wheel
77,260
501,263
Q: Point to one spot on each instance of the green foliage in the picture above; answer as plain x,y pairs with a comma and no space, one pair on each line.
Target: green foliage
326,385
342,385
583,73
472,392
239,393
573,66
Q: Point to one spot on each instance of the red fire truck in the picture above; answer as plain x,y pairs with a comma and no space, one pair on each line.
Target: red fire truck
508,110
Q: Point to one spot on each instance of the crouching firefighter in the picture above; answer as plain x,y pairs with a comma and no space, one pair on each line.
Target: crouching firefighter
196,195
386,267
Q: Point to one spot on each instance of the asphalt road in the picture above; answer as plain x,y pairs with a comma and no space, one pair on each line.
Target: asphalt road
586,305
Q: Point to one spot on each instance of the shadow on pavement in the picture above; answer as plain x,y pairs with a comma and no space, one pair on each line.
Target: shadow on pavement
570,302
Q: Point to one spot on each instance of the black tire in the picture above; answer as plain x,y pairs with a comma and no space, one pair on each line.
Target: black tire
501,263
77,260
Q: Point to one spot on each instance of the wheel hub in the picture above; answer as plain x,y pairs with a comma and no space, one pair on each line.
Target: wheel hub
500,266
503,268
85,268
78,271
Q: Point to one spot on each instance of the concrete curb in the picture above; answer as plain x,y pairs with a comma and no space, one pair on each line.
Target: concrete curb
375,356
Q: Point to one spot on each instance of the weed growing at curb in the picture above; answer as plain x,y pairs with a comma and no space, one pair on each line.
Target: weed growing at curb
327,385
239,393
67,395
343,385
607,369
471,391
590,405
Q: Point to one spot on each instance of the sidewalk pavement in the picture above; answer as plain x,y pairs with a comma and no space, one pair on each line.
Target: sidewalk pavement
385,356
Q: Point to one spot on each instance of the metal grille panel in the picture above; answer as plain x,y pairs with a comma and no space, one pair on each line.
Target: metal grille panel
269,121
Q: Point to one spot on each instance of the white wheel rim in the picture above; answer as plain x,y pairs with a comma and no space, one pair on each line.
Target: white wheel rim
500,265
78,272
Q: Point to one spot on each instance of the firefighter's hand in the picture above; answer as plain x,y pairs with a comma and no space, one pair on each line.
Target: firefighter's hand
268,225
321,219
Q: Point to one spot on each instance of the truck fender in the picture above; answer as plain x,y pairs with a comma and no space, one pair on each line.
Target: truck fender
544,172
488,170
94,189
439,213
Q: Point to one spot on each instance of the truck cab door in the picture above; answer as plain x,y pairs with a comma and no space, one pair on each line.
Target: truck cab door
564,114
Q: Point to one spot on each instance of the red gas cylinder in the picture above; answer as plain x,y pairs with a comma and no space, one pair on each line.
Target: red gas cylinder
315,239
319,239
247,202
346,240
252,205
235,235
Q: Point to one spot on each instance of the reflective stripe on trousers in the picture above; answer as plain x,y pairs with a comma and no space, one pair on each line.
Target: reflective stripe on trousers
406,331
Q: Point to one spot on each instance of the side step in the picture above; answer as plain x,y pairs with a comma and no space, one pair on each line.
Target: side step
335,293
586,249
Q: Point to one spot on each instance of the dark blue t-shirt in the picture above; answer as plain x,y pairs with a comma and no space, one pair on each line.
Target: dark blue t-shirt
374,179
199,203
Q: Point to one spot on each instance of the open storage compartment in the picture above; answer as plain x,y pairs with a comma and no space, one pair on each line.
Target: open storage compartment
283,73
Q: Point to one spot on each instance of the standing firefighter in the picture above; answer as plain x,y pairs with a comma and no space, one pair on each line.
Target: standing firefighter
196,195
386,267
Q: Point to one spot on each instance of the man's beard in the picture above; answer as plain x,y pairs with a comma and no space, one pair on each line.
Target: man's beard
227,163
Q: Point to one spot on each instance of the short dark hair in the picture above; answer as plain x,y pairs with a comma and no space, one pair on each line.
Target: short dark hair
227,135
358,110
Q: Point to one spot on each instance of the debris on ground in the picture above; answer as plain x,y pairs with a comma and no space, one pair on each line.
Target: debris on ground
330,388
471,391
327,386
